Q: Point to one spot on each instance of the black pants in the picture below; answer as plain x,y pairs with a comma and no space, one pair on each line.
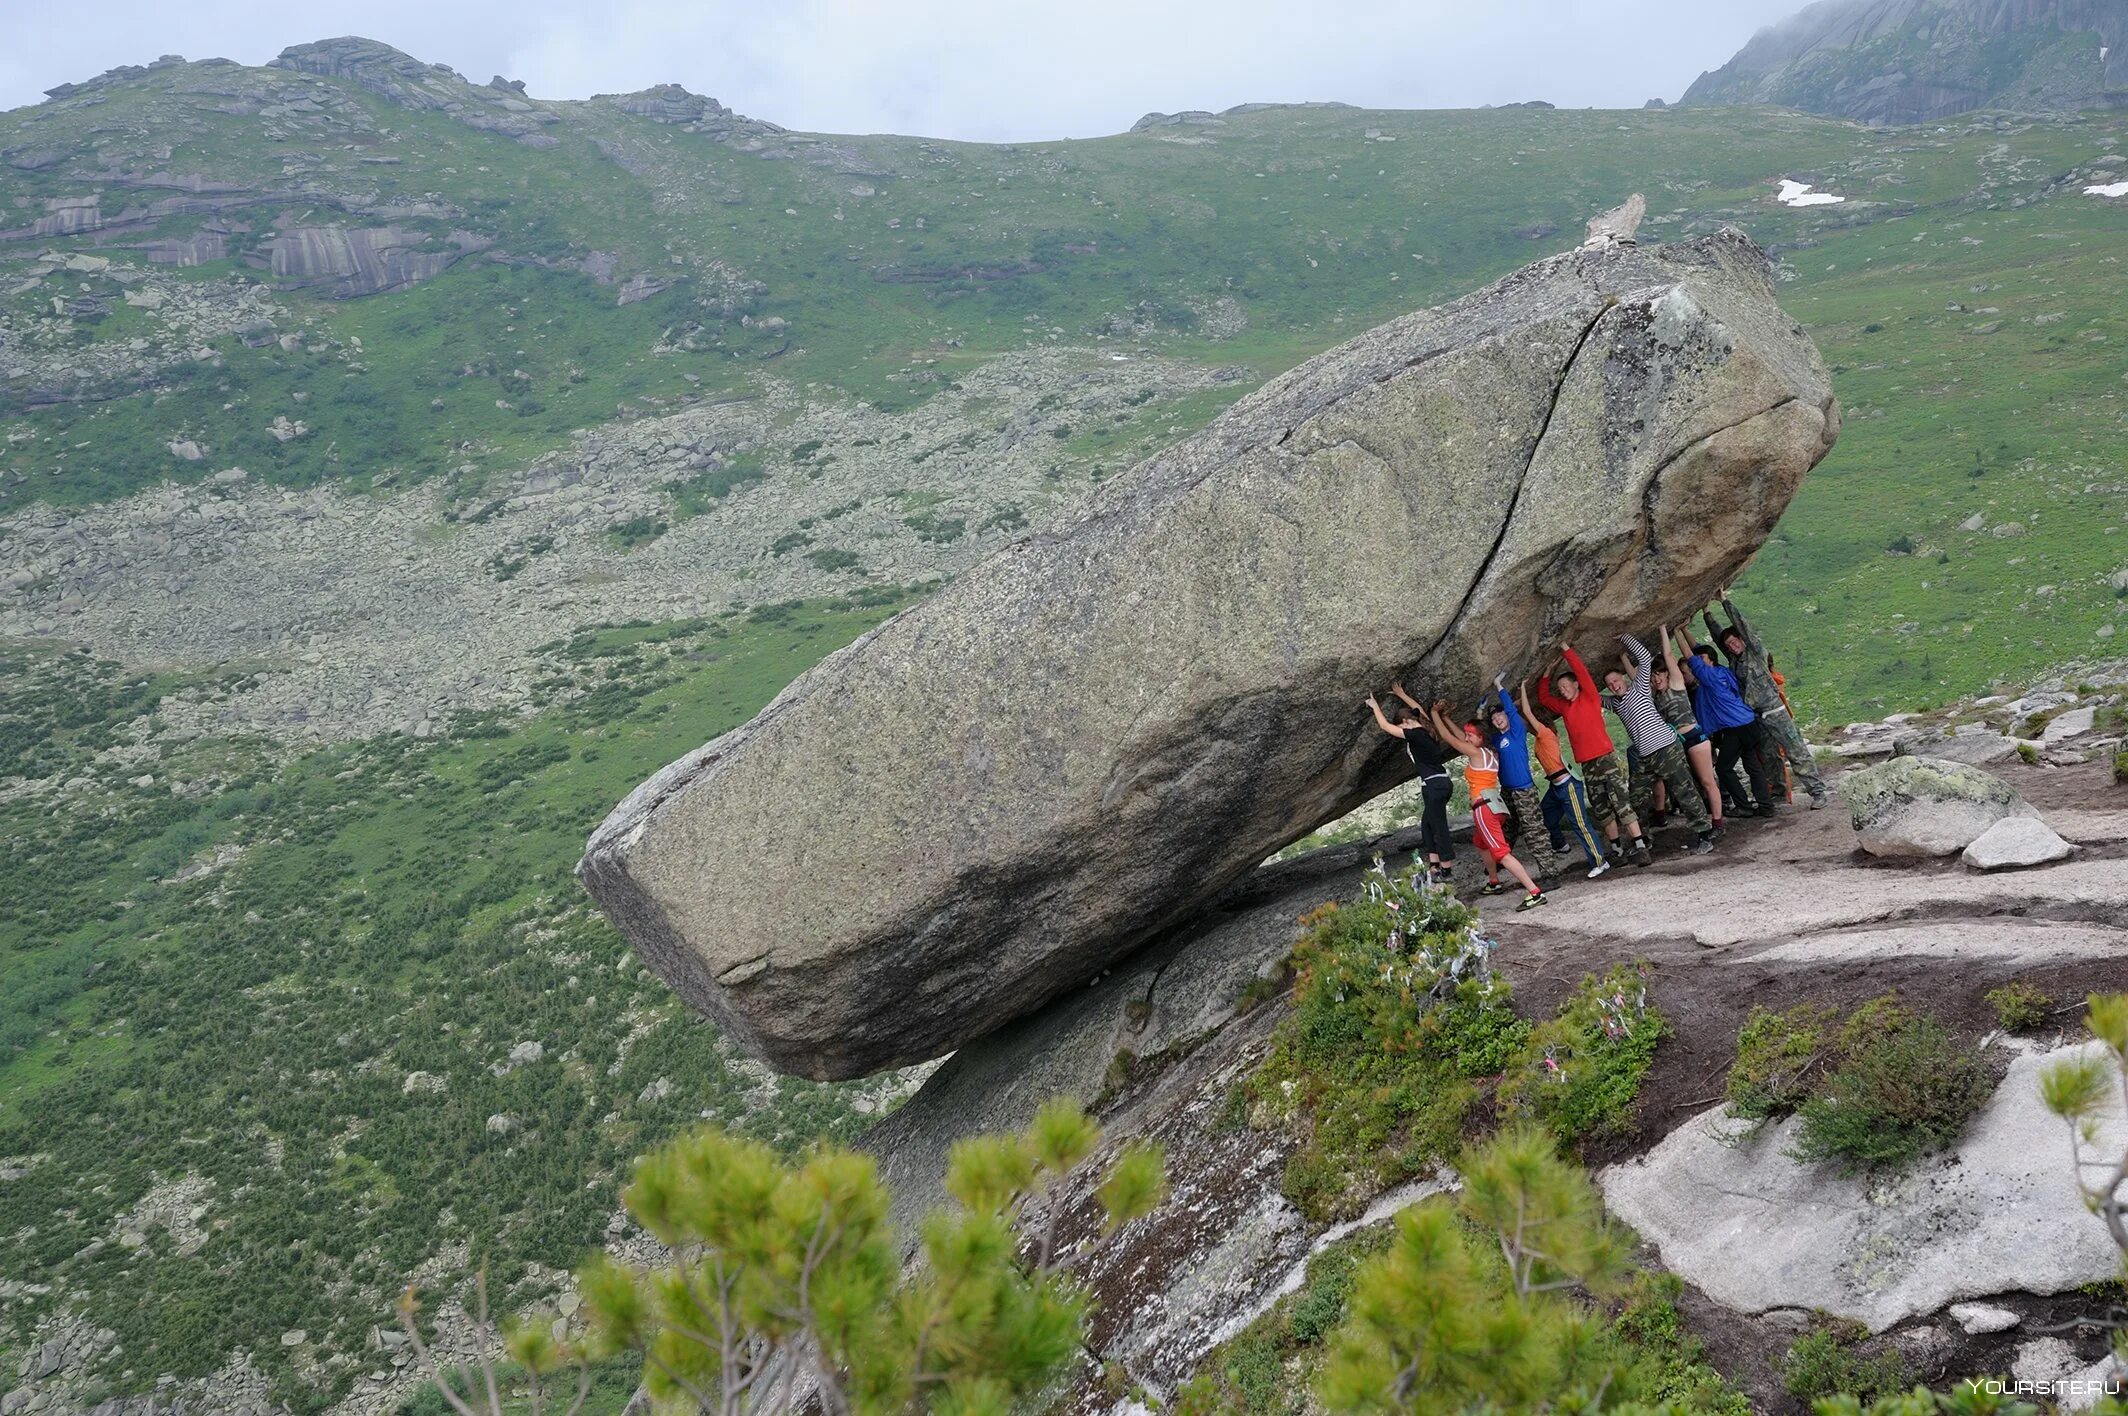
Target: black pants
1746,747
1434,840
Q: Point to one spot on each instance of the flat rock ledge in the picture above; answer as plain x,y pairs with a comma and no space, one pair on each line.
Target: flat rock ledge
1737,1216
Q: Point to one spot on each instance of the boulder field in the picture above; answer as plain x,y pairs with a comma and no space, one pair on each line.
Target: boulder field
1086,738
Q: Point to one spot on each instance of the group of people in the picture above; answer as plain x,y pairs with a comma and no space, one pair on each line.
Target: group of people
1704,739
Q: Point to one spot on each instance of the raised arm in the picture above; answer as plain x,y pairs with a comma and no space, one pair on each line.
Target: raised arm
1545,695
1398,689
1381,719
1582,675
1522,697
1451,734
1685,665
1738,623
1515,725
1643,661
1669,657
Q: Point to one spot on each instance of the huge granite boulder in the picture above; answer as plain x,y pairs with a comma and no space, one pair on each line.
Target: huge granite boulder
1917,807
993,796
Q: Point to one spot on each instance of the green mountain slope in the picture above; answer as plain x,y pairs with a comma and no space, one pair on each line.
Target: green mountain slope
263,975
1245,244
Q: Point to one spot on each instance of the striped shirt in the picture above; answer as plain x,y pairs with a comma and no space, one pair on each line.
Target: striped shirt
1648,729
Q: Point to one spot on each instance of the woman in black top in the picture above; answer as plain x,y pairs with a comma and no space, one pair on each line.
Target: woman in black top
1432,758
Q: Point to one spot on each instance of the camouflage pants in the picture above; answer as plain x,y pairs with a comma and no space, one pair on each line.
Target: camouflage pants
1788,738
1610,798
1673,769
1532,839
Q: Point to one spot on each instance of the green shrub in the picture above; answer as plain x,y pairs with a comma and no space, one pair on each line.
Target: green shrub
1666,1363
1580,1073
1825,1363
696,495
832,559
1775,1056
2120,767
1396,1017
1400,1032
1903,1086
2019,1007
636,531
930,526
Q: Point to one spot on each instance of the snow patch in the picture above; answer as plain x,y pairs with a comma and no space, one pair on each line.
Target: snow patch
2111,189
1798,194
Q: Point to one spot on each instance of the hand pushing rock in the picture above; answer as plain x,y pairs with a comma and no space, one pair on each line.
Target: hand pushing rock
992,797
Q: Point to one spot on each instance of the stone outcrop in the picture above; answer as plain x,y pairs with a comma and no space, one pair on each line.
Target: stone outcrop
2016,842
1167,1047
402,79
1128,713
355,261
675,106
1913,807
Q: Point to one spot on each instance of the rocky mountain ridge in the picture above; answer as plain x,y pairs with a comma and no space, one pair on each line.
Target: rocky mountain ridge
1917,61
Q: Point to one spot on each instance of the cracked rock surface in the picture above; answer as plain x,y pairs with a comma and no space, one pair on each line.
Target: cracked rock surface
1129,713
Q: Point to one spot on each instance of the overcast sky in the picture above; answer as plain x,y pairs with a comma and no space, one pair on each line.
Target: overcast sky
998,70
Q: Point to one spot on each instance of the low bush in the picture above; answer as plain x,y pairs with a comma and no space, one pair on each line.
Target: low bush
1826,1363
1401,1034
1665,1364
1775,1056
1396,1017
1579,1074
1879,1089
2019,1007
1903,1086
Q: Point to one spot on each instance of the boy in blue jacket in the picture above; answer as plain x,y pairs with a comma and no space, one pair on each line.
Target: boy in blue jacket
1718,703
1510,735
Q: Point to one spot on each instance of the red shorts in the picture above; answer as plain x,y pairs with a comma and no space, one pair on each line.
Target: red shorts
1487,833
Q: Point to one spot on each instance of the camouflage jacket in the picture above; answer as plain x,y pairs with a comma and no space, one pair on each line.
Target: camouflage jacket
1754,671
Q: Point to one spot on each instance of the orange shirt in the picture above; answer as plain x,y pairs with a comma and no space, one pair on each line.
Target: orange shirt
1482,774
1546,742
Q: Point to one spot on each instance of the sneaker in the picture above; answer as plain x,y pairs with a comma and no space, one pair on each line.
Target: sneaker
1662,819
1530,902
1492,887
1601,867
1642,856
1817,799
1765,808
1719,831
1704,845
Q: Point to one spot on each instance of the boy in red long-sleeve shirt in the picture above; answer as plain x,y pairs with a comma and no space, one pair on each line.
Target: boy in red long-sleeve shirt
1572,694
